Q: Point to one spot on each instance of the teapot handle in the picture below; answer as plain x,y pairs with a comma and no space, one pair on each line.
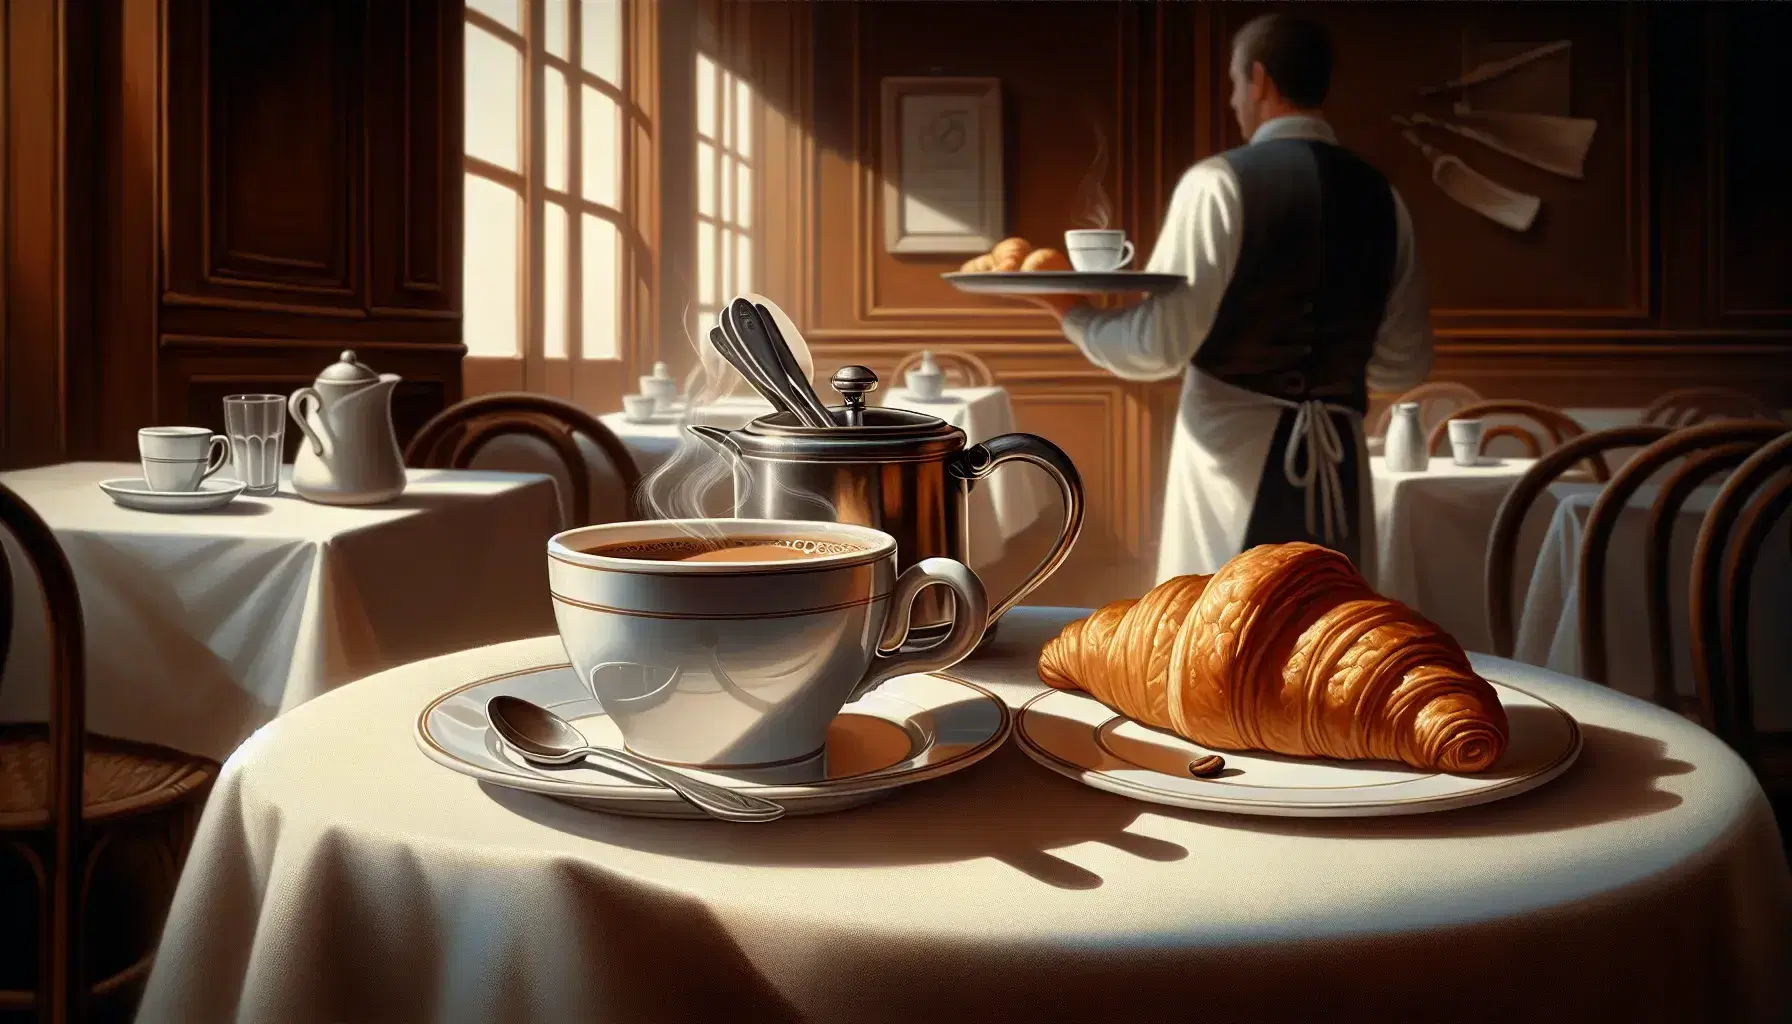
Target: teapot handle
318,435
980,460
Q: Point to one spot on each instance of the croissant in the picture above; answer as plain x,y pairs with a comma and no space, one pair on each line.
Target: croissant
1045,259
1285,649
1009,253
978,264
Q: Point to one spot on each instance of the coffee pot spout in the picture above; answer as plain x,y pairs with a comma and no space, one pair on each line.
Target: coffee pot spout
718,439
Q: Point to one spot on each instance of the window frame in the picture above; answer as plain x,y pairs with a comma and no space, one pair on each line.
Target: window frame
591,382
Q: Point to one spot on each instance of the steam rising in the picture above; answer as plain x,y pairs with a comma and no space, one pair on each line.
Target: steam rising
1097,211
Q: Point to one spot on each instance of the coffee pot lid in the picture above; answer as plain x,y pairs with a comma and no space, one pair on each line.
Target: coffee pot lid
347,370
893,433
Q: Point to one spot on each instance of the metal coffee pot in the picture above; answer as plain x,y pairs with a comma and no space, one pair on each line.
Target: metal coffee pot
907,474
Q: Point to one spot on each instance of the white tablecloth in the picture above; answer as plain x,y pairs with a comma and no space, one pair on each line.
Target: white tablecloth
202,627
1549,627
1001,506
1432,528
340,875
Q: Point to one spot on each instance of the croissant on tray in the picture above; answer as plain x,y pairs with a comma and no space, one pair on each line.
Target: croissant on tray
1285,650
1011,254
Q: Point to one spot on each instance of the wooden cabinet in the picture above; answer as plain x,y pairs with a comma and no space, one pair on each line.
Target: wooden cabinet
246,189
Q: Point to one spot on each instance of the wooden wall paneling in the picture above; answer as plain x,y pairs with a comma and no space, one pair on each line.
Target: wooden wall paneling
265,139
1749,167
33,427
414,142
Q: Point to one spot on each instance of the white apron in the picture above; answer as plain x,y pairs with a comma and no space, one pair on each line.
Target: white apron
1223,436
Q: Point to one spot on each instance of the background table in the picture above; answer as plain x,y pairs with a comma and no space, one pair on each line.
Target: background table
202,627
1432,529
340,875
1549,618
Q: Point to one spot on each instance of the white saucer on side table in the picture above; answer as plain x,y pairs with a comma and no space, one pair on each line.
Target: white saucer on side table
135,493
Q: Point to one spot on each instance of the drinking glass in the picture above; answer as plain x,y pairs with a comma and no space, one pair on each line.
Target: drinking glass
256,426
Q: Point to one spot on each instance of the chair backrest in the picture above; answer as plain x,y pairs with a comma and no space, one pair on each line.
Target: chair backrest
516,430
1706,449
1502,542
1723,559
961,369
1556,424
1685,407
1434,397
61,987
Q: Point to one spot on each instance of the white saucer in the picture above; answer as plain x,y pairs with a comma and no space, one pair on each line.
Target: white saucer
1076,736
134,492
910,729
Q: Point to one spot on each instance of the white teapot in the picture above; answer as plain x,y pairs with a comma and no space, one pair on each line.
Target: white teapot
350,455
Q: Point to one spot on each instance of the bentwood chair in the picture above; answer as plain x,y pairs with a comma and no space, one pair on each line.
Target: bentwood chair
1557,425
522,432
1686,407
93,830
1703,451
1745,510
961,369
1502,544
1434,397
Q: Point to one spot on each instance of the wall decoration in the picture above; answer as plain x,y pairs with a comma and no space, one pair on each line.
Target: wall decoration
942,164
1456,179
1513,98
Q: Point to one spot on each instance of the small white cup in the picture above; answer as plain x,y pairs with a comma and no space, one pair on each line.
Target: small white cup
1092,249
180,458
1465,441
639,408
928,387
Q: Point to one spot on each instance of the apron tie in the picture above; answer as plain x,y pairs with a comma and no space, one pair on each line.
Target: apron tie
1324,488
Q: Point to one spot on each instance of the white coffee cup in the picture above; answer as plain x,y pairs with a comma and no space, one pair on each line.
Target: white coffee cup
180,458
740,666
1097,249
639,408
1465,441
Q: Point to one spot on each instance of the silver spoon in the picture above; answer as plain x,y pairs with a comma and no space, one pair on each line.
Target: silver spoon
719,340
759,345
540,735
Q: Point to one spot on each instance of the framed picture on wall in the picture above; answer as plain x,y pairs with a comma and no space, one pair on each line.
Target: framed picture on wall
942,164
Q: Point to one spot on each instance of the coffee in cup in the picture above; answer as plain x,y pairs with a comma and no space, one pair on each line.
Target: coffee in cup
731,644
1096,249
180,458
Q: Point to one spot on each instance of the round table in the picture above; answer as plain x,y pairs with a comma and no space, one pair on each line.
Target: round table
340,875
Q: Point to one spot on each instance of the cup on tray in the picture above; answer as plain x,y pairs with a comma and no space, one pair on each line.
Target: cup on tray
256,427
180,458
1465,441
1092,249
730,645
639,408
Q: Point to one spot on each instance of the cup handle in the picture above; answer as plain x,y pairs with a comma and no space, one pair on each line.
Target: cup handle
217,455
980,460
1126,251
970,616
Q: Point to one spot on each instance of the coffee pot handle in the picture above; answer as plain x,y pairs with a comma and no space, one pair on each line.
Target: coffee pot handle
970,617
980,460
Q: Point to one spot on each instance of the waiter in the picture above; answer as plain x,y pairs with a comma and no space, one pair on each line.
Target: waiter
1303,294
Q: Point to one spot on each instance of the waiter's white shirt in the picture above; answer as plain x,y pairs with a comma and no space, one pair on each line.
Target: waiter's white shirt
1223,433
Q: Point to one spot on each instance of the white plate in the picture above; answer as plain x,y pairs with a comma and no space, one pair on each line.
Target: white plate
908,730
1076,736
1062,282
134,492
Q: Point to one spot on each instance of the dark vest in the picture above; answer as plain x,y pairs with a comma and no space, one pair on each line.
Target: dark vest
1315,265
